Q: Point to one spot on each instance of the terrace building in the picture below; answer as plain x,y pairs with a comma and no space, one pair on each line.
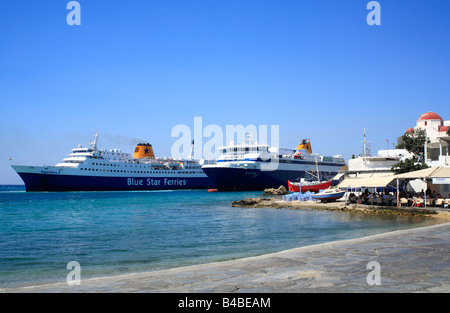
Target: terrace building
437,151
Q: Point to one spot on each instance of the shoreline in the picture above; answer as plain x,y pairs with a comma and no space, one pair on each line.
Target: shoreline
338,266
439,215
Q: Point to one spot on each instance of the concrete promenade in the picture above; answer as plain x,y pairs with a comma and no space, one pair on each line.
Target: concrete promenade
414,260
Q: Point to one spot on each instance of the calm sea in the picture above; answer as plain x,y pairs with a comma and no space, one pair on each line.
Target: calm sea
112,233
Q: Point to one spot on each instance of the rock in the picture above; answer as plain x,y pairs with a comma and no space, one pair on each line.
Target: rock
249,202
275,192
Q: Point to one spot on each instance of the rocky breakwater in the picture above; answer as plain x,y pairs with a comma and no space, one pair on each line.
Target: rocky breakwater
254,203
272,197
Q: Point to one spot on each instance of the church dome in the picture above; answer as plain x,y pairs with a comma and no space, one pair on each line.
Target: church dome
430,116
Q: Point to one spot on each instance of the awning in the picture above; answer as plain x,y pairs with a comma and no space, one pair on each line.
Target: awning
384,179
367,182
338,176
443,172
418,174
347,183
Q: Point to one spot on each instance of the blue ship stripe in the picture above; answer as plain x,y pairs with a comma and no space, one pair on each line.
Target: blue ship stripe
49,182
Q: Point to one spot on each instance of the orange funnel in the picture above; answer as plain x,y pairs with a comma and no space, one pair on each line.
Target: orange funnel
305,145
144,151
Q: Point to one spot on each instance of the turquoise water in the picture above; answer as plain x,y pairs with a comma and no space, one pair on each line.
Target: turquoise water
112,233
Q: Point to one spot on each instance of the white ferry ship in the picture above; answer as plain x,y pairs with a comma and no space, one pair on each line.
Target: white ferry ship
253,166
92,169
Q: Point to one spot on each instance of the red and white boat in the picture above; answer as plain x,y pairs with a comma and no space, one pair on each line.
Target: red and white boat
308,186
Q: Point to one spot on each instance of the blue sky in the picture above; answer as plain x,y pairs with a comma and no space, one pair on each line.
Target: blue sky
135,69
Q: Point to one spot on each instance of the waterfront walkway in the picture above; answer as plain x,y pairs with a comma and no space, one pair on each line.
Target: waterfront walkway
414,260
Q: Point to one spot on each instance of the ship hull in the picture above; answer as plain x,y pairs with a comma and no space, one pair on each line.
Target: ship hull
65,182
252,166
251,177
242,179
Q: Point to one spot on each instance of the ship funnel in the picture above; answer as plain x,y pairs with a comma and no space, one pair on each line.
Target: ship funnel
144,151
305,145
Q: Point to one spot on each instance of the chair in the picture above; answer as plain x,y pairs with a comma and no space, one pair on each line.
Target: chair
403,202
440,202
394,202
447,202
429,202
419,202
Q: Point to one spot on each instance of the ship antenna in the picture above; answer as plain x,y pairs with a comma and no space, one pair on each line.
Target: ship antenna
94,143
366,148
365,143
191,154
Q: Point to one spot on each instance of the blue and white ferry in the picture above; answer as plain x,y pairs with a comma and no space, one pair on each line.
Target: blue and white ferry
253,166
92,169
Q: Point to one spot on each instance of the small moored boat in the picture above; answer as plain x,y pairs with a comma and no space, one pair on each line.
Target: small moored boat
308,186
330,194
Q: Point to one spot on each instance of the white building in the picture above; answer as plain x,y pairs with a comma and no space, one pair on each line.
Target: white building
379,167
379,164
367,165
437,151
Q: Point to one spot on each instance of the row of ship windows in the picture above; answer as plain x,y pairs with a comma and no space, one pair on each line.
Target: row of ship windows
307,162
101,164
246,149
139,172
